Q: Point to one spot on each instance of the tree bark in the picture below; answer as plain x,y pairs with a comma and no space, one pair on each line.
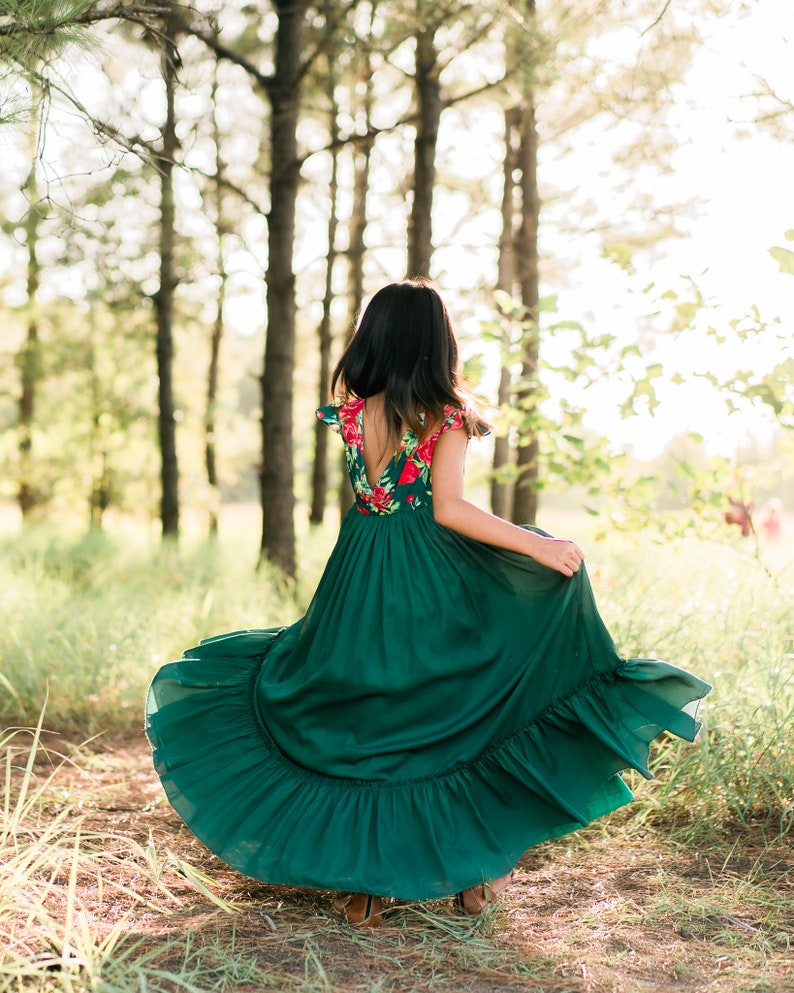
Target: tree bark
429,107
357,227
277,470
30,355
320,464
164,297
525,498
99,494
502,491
210,440
213,370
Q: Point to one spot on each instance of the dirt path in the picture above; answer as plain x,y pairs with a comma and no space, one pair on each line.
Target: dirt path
620,911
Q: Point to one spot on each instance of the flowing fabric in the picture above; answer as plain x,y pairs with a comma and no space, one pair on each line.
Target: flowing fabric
442,706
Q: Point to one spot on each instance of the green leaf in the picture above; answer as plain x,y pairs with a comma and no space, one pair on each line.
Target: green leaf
203,883
620,254
784,258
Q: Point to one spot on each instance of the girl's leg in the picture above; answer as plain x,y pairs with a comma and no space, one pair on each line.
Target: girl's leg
360,909
475,899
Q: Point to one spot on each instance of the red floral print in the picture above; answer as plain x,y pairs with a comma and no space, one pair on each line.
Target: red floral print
410,472
405,482
351,433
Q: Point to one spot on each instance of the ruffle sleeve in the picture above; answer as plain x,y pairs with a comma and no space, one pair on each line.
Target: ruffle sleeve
329,414
454,419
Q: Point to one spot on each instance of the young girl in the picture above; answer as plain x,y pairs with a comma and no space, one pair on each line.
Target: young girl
451,696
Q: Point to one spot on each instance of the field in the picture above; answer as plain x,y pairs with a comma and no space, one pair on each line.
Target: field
689,889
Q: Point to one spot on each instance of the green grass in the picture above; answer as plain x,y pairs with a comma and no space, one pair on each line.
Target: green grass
719,611
87,621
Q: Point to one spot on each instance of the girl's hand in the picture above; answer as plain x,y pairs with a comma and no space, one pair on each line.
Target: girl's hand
453,511
556,553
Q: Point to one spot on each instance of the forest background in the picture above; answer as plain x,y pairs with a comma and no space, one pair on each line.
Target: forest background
195,203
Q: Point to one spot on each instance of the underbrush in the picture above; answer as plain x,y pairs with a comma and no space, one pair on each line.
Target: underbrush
86,622
71,894
719,611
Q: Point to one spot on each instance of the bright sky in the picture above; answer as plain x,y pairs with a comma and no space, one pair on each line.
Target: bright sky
742,181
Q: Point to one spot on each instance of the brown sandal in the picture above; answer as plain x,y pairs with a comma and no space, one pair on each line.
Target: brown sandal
475,899
360,909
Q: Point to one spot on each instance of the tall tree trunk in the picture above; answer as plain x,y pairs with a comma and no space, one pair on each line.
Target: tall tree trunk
525,498
210,440
501,490
164,297
320,465
99,494
357,227
277,470
429,107
213,369
30,354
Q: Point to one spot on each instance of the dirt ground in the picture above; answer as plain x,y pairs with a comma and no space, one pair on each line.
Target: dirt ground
613,909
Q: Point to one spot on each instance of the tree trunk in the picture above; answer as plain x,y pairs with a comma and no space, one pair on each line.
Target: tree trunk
525,499
502,491
320,465
99,494
277,470
210,440
164,297
357,226
30,355
429,107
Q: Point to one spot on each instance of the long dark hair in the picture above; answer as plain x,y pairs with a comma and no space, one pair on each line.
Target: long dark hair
405,348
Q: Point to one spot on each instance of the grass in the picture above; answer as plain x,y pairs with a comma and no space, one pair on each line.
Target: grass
718,611
691,888
87,621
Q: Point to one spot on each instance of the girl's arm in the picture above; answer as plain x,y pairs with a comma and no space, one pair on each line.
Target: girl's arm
452,511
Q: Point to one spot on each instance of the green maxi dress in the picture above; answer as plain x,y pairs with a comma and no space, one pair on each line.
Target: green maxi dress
442,706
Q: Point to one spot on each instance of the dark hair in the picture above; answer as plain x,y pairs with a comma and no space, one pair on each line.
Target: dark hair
405,348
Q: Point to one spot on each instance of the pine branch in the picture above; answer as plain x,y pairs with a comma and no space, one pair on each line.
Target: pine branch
48,26
329,37
368,137
208,35
653,24
221,180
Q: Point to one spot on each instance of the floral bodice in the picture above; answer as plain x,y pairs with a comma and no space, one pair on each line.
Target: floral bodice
405,482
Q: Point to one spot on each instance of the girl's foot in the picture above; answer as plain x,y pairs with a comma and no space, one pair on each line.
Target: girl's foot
360,909
475,899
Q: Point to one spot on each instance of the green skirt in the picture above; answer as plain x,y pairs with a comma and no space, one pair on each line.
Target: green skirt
442,706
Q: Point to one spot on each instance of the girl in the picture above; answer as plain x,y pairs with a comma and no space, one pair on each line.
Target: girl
451,696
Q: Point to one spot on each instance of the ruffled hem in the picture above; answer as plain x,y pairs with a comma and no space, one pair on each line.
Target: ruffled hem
422,838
